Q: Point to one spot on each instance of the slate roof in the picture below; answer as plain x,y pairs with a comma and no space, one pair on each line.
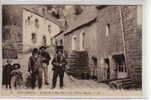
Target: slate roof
83,19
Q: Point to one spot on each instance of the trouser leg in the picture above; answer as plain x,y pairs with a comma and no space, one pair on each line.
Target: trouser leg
33,80
9,83
45,66
61,76
40,78
54,80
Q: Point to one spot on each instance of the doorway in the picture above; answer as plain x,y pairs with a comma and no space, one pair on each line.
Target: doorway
121,70
107,64
94,70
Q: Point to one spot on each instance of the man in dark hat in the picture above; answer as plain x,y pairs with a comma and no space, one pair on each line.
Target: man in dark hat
35,68
45,62
58,63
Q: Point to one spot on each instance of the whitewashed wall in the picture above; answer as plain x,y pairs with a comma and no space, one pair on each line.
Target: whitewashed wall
29,28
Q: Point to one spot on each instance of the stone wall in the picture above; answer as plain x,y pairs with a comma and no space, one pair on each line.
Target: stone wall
124,38
109,44
12,30
90,41
133,41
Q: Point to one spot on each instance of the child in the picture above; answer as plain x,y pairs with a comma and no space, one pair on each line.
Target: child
7,69
16,76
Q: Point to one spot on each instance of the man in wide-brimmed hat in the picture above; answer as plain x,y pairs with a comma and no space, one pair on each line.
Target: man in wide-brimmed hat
35,68
59,64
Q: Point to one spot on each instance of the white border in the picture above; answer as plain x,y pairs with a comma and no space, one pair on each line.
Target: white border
0,46
147,50
85,2
145,37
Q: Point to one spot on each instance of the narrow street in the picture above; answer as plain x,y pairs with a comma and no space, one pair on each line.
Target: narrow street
69,81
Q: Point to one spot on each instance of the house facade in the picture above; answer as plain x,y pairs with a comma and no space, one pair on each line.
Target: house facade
37,29
26,27
112,38
80,36
119,43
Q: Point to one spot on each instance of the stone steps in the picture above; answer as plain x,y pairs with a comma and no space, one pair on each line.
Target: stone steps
78,64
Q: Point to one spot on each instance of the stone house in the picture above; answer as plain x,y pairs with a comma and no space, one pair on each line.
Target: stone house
38,29
111,36
80,34
27,26
119,42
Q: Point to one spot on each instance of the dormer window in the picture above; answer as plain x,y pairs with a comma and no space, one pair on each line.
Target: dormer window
55,12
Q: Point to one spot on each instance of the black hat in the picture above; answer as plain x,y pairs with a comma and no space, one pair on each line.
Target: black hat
16,64
44,47
35,50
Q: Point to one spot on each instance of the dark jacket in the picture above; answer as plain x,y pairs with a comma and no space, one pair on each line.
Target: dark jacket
46,57
7,69
34,63
59,63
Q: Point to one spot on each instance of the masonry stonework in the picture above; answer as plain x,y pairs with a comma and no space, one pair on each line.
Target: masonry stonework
133,41
113,43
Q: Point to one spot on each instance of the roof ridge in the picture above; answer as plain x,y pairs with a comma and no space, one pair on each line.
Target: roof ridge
85,20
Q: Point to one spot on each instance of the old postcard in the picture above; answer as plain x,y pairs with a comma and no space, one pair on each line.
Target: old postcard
72,50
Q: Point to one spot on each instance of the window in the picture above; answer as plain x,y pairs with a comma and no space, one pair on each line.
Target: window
49,28
28,20
82,41
107,28
74,39
78,9
33,38
61,42
56,43
36,23
44,40
55,13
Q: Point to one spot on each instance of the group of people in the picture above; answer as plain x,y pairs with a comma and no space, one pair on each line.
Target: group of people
12,76
37,67
38,64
